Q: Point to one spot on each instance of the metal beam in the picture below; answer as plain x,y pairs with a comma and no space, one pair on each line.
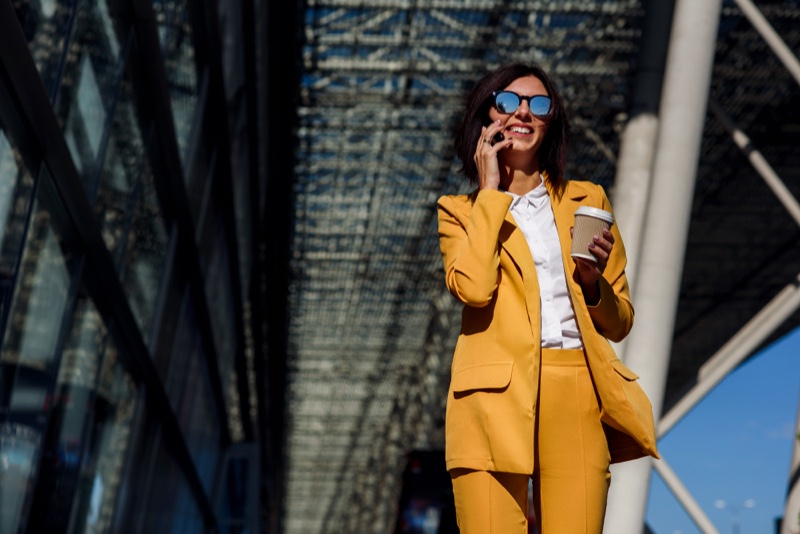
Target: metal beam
739,347
758,161
763,27
685,498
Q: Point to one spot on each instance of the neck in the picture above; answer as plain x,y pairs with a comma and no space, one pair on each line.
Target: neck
519,176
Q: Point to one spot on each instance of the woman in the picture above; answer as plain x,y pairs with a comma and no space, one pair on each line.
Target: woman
536,388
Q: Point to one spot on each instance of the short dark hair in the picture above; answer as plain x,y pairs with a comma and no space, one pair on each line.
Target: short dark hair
552,152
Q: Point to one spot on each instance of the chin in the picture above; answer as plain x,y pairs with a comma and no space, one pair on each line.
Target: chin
515,147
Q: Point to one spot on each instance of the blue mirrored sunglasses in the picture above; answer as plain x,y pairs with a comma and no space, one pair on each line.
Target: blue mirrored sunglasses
507,103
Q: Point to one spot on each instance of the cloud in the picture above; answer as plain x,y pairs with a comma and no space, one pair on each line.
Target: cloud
784,431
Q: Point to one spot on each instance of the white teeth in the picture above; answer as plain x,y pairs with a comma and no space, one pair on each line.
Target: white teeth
519,130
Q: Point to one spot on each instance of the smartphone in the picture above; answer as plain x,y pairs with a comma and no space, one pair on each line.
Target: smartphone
497,137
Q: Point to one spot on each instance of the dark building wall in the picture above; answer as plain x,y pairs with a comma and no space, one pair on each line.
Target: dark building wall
129,203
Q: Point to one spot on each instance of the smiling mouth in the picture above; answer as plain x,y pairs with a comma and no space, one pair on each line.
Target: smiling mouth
520,130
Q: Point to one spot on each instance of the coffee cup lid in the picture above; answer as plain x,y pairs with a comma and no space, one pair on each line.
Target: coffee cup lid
597,213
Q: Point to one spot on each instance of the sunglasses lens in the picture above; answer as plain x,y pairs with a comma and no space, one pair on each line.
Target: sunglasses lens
540,106
506,102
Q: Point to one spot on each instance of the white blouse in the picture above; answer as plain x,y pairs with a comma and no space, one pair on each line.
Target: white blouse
534,216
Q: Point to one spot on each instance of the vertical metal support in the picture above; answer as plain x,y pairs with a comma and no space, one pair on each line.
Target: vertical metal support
791,514
632,185
683,107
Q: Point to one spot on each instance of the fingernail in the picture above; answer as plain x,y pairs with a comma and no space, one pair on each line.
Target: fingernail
497,121
591,245
595,237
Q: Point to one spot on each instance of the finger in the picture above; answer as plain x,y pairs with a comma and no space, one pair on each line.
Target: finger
497,147
599,253
603,243
571,230
488,133
608,236
508,141
483,136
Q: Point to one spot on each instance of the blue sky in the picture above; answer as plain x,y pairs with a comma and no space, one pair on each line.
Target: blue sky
735,445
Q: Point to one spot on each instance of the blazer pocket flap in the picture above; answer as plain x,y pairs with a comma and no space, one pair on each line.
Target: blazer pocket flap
483,376
624,371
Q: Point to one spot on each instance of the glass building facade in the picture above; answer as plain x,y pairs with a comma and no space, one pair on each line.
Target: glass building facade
129,206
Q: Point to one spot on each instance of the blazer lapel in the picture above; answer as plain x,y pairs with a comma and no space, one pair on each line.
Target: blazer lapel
564,207
514,243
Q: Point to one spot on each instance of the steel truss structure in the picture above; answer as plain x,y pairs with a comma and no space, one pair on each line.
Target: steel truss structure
371,327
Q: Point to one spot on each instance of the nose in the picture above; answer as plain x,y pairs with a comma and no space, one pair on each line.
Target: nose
523,109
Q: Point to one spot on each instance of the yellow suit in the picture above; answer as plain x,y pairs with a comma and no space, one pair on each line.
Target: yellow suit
495,371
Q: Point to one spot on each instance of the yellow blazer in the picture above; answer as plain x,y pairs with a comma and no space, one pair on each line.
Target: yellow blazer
495,370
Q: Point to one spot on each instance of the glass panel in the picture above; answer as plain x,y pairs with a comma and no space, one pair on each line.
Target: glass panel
234,76
171,507
233,511
129,213
18,453
87,431
27,373
199,184
89,87
175,33
36,313
242,195
187,518
170,315
47,26
110,425
219,293
190,394
220,297
85,123
64,439
146,245
16,194
88,28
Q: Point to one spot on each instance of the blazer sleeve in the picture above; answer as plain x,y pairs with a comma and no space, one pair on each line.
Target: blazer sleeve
471,253
613,314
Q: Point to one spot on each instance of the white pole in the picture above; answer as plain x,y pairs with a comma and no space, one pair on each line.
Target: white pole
632,185
638,139
683,108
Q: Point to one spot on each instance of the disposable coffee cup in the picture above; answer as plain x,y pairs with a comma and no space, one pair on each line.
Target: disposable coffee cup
589,222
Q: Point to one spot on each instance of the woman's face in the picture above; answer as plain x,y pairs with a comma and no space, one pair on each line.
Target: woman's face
526,130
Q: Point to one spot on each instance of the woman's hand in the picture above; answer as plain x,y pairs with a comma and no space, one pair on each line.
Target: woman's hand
590,272
486,156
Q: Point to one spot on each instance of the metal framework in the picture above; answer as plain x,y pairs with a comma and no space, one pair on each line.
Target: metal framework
371,327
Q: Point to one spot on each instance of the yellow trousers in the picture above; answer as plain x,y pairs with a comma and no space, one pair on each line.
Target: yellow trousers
571,477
